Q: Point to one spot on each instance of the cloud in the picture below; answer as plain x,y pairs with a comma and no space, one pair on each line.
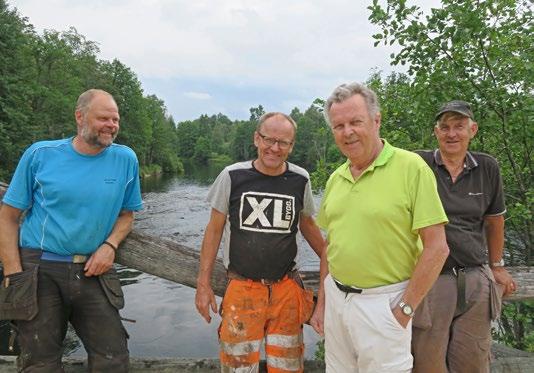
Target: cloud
197,95
284,51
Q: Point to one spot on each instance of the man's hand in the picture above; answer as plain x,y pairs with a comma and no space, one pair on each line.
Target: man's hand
100,262
504,278
317,319
401,317
204,299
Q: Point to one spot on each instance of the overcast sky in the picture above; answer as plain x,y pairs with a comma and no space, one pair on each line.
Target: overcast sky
206,57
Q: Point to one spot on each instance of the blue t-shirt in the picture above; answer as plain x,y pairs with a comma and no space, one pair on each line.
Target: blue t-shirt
72,199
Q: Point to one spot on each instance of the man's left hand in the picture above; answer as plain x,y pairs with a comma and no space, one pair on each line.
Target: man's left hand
317,319
401,317
100,262
503,277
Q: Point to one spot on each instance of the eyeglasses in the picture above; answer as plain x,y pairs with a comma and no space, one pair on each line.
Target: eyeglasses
269,141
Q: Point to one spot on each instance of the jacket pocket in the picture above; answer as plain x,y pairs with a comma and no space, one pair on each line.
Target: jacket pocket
18,295
112,288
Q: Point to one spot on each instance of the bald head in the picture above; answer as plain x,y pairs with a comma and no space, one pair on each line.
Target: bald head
270,115
84,101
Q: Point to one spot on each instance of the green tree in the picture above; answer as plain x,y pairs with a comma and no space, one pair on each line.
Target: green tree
136,127
62,62
16,87
479,51
202,150
187,133
163,143
242,144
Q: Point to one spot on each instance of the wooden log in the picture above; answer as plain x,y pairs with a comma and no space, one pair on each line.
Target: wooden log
172,261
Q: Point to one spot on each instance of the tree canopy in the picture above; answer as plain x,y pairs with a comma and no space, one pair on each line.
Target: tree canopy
41,77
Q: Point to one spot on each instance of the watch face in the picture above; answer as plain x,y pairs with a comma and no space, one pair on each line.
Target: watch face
407,310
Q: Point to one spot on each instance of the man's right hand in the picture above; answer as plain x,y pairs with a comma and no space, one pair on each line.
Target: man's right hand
12,270
204,299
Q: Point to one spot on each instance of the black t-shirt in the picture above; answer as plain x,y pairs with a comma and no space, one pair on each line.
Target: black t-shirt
263,212
477,193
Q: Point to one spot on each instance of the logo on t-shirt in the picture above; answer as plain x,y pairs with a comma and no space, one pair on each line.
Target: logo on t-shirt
266,212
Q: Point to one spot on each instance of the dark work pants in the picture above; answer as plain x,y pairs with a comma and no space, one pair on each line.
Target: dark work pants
66,295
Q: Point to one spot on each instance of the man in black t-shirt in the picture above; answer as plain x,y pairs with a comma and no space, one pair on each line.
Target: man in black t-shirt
260,206
451,328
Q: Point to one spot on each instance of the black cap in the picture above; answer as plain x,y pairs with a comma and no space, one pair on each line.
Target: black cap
456,106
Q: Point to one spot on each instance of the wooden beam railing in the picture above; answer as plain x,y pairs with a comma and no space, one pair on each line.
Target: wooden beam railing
172,261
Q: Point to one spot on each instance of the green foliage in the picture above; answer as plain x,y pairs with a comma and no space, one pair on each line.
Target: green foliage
16,73
478,51
516,325
322,172
150,170
41,77
242,145
481,52
313,139
202,150
319,352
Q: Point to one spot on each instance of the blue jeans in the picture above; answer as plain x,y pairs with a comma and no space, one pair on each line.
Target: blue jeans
65,295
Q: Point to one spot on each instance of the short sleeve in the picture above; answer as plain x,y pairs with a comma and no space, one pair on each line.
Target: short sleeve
219,194
321,219
132,195
20,191
309,204
427,208
497,205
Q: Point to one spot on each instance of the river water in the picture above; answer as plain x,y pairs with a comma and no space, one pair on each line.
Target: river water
166,321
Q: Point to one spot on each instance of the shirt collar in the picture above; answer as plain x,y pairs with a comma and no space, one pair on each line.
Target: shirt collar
469,163
383,157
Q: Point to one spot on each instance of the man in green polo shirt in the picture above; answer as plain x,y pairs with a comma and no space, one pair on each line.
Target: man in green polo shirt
386,241
453,333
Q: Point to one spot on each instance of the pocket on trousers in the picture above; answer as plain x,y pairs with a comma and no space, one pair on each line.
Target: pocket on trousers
18,301
496,292
422,318
306,303
112,288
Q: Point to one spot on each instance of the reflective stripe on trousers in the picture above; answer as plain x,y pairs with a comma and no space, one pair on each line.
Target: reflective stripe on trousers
251,312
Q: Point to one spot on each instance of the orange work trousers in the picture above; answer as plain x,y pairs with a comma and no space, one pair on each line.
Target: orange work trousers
252,312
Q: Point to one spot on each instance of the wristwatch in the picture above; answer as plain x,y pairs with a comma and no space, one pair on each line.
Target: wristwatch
406,308
500,263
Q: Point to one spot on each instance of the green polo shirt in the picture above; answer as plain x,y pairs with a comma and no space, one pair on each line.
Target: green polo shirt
372,223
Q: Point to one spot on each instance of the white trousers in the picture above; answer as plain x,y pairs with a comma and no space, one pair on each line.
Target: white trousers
361,333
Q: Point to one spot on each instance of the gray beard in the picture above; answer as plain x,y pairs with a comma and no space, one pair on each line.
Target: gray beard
93,140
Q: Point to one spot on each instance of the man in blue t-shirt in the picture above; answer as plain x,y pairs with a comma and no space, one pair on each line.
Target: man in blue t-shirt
79,195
